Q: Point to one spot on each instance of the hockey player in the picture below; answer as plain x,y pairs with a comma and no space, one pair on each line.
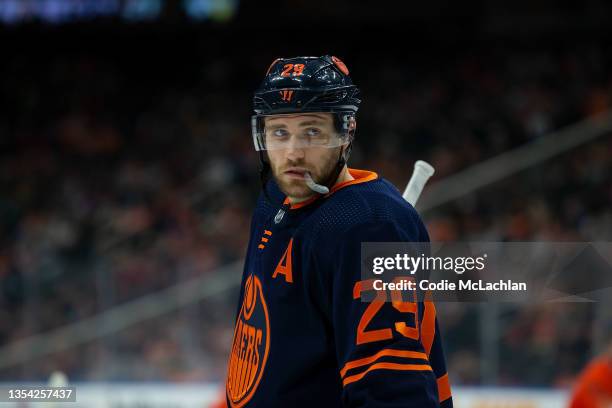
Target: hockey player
303,337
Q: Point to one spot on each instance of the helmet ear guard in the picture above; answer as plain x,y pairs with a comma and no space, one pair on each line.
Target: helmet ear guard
348,123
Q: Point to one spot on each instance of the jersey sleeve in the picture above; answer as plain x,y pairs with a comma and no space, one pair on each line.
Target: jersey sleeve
389,353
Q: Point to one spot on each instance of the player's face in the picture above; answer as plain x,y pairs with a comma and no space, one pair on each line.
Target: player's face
305,148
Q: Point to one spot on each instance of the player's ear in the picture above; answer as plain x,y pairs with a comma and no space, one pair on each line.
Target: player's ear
352,127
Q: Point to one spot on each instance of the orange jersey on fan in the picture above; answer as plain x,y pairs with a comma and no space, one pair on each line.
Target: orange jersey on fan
594,386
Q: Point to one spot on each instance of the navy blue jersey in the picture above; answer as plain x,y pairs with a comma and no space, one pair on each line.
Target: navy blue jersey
303,337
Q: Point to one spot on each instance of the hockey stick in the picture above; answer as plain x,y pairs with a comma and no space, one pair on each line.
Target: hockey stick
422,172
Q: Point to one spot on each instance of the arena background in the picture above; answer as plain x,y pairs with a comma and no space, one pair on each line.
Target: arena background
128,176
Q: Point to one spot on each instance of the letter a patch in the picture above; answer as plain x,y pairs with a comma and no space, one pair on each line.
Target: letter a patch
284,265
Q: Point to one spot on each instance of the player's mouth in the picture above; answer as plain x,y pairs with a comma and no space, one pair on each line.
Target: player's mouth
295,172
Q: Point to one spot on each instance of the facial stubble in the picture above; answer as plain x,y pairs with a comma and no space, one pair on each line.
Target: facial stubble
297,188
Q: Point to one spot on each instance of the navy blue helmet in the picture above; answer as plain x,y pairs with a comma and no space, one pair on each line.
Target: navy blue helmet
306,84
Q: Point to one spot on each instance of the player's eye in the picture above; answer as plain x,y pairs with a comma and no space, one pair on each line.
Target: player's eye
280,133
316,136
313,132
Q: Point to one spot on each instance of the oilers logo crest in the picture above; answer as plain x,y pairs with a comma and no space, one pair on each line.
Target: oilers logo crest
250,345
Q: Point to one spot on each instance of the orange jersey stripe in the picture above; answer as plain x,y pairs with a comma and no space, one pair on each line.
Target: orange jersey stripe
444,390
360,176
385,352
260,246
267,232
428,326
304,203
386,366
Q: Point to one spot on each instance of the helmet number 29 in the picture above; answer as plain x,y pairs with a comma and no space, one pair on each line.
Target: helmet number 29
296,68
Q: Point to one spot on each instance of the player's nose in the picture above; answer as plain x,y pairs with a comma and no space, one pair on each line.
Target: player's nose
294,151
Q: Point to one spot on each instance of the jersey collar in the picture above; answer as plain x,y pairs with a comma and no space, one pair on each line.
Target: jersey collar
359,176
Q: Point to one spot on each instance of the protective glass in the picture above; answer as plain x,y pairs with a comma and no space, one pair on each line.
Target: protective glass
276,135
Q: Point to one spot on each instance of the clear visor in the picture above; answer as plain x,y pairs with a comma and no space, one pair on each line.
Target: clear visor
302,131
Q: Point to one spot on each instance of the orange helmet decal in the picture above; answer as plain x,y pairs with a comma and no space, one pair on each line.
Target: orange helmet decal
338,62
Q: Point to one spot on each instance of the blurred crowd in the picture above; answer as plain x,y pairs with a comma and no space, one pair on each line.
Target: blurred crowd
120,179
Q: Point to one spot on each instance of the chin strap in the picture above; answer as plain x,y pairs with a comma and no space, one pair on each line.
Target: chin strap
264,176
326,186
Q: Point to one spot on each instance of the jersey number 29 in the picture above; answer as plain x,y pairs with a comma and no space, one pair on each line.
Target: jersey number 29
368,336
